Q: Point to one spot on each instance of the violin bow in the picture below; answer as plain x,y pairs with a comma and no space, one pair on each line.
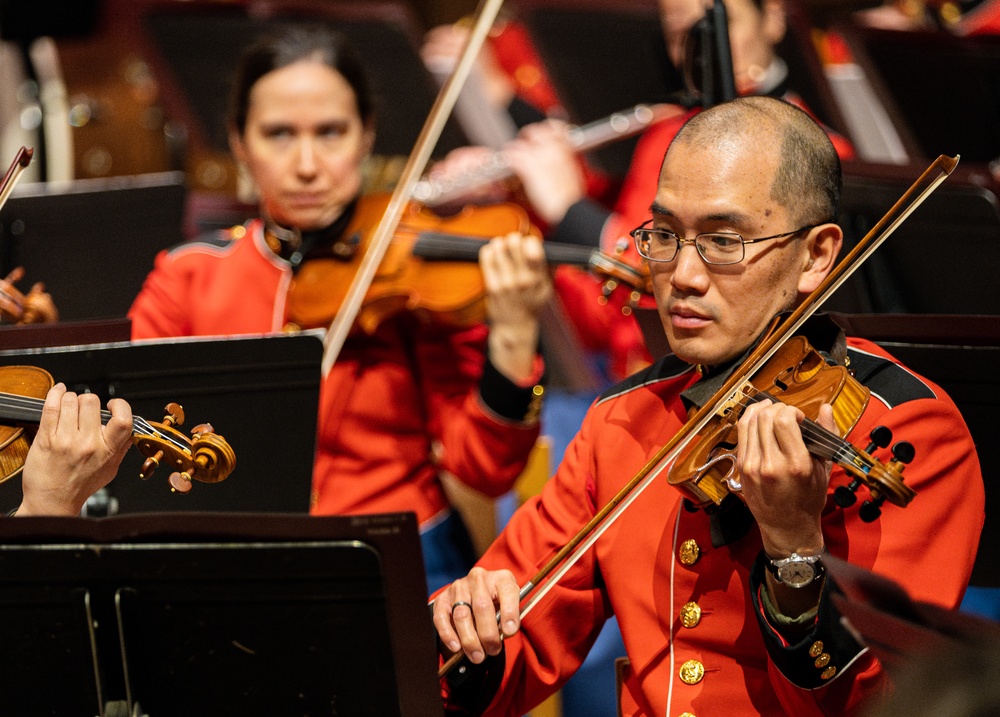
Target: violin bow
341,325
20,163
553,571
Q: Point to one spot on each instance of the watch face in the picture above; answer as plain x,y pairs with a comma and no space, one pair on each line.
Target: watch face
797,573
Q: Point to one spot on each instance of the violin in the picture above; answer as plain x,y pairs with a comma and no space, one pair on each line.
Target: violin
429,267
206,457
799,376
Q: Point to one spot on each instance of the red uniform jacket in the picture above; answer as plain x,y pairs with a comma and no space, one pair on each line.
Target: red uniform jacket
661,561
399,406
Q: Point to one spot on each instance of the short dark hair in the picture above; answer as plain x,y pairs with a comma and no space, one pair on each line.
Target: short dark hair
808,180
291,45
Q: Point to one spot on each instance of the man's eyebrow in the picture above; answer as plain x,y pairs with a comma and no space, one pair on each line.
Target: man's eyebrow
662,211
734,218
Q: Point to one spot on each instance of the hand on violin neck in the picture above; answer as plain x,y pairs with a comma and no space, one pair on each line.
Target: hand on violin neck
517,282
73,454
784,485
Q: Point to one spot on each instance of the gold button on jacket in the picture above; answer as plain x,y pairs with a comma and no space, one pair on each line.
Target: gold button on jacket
691,672
689,552
690,614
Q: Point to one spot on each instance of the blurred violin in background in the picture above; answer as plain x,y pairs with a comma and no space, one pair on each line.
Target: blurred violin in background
35,307
429,267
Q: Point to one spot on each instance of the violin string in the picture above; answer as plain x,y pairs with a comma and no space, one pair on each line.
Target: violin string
810,429
139,424
839,449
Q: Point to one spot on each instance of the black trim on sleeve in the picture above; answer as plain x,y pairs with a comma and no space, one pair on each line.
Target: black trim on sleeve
583,224
821,654
503,396
471,688
664,369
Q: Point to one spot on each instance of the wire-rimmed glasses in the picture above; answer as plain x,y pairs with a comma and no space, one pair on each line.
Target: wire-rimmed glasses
717,248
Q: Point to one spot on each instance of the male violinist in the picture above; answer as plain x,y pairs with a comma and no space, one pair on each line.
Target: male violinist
724,611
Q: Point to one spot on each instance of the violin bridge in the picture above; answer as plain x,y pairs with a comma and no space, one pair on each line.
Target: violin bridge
737,399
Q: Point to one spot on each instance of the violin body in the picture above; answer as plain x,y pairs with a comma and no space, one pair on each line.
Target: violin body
797,375
15,440
449,291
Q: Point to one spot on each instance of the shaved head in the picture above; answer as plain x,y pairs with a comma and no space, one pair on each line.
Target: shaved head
807,182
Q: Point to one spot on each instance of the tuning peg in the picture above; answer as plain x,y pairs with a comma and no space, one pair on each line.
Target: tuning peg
180,482
870,510
150,465
903,452
880,438
845,495
175,415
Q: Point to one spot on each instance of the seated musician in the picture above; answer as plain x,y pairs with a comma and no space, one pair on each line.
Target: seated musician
724,610
73,455
413,399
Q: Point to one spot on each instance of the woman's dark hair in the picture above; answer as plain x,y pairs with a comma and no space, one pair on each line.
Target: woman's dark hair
292,45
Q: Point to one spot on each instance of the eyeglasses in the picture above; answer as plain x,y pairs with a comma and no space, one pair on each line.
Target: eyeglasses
713,247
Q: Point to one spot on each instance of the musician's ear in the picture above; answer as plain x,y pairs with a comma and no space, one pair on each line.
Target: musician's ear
822,246
368,138
236,145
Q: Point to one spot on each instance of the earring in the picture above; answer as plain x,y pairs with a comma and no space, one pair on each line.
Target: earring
246,188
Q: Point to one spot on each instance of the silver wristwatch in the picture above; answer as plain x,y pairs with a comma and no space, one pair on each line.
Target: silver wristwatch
796,571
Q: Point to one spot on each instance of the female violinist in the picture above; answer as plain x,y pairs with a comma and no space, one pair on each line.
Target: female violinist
408,401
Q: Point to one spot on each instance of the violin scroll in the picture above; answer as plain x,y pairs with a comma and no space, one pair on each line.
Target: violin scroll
206,457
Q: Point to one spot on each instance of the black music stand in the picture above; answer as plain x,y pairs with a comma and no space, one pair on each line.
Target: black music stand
91,241
926,80
260,393
198,614
941,260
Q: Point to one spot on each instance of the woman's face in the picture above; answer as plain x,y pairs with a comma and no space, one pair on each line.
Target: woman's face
303,144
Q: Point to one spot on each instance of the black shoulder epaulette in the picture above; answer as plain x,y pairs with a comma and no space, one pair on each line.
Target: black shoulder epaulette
219,239
666,368
887,379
